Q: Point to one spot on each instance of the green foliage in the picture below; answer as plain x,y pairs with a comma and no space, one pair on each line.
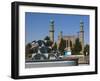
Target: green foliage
55,47
47,38
62,45
28,51
77,47
86,49
27,48
47,41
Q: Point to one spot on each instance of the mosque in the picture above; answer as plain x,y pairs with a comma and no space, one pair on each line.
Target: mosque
70,39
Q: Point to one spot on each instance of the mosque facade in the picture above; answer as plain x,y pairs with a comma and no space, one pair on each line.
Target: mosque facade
70,39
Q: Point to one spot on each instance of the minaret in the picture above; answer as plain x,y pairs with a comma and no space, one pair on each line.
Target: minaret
51,31
81,36
59,38
60,35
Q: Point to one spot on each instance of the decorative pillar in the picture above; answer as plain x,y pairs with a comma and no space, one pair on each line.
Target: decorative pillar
51,31
81,37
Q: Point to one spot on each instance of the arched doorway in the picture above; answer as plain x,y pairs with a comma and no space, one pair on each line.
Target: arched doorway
67,43
70,44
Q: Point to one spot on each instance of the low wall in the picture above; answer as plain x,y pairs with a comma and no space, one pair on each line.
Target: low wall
82,59
59,63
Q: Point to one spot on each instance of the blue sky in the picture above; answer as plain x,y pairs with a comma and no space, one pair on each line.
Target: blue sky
37,25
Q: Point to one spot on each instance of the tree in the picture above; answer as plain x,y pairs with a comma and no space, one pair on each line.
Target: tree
86,49
77,47
62,45
55,47
28,50
47,41
47,38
